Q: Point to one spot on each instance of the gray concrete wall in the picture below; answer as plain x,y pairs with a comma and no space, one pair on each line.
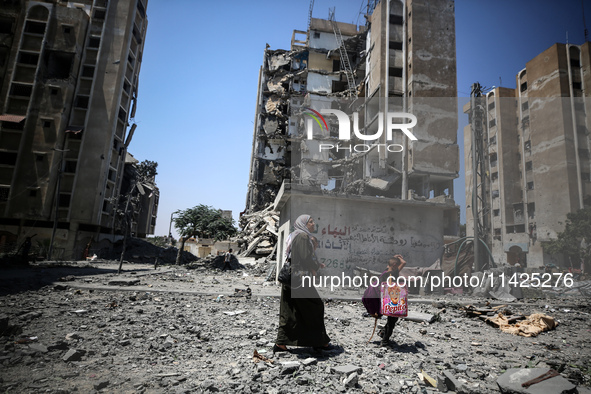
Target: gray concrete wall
366,231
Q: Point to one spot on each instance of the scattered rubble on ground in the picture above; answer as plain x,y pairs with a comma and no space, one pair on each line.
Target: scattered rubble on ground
204,330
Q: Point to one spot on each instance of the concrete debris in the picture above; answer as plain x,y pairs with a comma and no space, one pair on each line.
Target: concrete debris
259,233
169,334
278,59
511,382
497,288
420,317
73,355
347,369
351,380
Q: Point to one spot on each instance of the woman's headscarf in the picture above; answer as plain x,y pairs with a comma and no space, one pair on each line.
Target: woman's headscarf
300,227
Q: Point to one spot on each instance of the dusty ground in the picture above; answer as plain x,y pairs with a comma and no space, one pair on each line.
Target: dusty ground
72,329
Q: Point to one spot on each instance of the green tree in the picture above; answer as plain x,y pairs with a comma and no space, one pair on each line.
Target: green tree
204,222
575,241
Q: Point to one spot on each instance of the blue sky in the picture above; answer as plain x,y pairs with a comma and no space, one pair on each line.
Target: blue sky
200,67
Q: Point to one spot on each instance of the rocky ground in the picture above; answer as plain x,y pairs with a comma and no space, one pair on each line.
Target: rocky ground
82,328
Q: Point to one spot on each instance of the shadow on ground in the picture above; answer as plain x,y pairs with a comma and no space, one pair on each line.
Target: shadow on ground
21,278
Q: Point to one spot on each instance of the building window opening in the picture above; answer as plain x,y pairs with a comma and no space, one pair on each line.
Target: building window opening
524,87
58,65
46,124
316,34
396,19
67,29
531,209
33,193
64,200
336,65
82,101
99,14
141,9
70,166
35,27
4,192
3,56
527,145
396,45
88,71
5,25
528,166
493,159
122,115
577,85
395,72
496,212
491,105
28,58
53,91
94,42
530,186
17,89
492,123
13,126
8,158
525,106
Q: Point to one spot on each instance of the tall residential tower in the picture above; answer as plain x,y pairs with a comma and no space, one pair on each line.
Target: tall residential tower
69,83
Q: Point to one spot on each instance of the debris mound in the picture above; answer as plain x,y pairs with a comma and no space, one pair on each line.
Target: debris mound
140,251
259,233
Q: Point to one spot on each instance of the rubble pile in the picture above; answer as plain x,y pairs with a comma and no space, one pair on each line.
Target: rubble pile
140,251
164,334
214,263
259,233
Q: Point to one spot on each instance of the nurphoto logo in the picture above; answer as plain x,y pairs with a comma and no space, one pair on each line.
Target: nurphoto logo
344,127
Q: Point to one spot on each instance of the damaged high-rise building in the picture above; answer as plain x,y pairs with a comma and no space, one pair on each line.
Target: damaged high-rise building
330,128
69,84
534,166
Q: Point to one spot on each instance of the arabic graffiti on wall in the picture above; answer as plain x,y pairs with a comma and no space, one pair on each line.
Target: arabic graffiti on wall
345,246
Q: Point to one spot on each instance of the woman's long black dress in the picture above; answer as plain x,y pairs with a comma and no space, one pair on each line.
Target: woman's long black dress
301,313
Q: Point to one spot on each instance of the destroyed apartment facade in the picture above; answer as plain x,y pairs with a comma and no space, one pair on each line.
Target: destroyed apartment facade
402,61
535,156
69,84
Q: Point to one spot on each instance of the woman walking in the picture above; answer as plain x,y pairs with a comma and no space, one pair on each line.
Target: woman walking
301,313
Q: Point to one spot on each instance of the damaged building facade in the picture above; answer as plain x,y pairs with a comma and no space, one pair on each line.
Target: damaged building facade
69,83
535,164
402,62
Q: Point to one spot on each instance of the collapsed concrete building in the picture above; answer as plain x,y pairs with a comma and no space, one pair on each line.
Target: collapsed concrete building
383,191
535,156
69,86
